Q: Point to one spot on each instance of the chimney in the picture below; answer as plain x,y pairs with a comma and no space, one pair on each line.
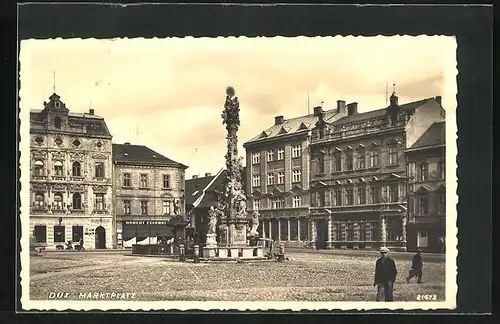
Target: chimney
317,111
438,99
126,143
208,174
341,106
352,108
195,176
278,120
91,111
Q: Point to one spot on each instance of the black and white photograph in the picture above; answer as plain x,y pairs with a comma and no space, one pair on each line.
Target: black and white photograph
238,172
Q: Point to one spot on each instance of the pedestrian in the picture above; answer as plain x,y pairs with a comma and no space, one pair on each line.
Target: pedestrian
385,275
416,267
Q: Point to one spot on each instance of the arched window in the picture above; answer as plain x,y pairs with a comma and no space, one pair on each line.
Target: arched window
58,168
76,169
39,168
57,122
58,201
39,200
77,201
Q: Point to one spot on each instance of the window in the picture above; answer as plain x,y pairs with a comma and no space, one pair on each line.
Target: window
166,207
144,180
376,195
337,161
281,154
393,193
349,160
338,197
58,201
423,170
58,168
294,229
270,156
76,143
144,207
277,203
441,170
423,205
393,155
281,177
296,175
256,158
297,201
126,180
39,168
361,160
321,164
256,204
39,200
99,170
361,195
77,232
76,169
40,233
270,178
442,204
99,201
283,229
57,122
411,171
126,207
166,181
256,180
77,201
59,234
303,229
296,149
349,196
422,239
374,158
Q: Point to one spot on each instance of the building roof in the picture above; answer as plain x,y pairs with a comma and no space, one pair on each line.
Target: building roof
140,154
434,135
293,125
201,191
378,113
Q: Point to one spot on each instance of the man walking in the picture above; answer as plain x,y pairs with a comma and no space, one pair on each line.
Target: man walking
385,275
416,267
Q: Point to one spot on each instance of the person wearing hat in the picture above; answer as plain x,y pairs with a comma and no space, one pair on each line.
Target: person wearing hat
385,275
416,267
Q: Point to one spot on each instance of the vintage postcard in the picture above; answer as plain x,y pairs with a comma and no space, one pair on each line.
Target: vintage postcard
238,173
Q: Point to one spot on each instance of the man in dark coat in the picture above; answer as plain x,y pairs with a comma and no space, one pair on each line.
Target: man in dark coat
385,275
416,268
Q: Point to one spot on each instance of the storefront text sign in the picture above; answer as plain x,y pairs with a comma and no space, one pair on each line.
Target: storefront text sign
145,222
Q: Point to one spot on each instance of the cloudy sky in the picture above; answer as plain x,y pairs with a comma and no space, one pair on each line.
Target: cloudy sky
168,94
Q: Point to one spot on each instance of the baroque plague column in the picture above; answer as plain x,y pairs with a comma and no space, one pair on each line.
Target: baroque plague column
232,202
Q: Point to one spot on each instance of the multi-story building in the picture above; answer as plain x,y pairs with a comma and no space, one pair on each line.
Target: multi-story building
277,175
148,190
358,174
70,177
427,190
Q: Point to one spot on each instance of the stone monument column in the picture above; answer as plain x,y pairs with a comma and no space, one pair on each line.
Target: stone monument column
383,230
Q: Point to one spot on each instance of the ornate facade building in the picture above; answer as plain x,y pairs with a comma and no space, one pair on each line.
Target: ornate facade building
427,191
358,174
148,189
278,173
70,177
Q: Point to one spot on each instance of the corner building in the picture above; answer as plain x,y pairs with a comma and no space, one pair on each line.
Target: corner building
148,187
277,177
359,174
427,191
70,177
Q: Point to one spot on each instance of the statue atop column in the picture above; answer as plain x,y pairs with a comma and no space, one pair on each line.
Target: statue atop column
254,223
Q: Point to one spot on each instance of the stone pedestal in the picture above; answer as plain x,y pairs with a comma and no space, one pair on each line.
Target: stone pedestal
238,233
211,240
209,252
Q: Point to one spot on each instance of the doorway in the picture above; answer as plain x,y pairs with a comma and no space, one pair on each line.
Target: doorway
100,238
321,233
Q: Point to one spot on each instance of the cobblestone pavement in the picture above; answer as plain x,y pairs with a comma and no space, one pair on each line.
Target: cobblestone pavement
304,277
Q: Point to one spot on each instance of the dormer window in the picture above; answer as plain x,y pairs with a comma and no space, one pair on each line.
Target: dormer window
39,140
58,141
99,144
76,143
57,121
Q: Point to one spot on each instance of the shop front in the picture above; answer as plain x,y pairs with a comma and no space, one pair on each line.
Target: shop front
144,232
286,226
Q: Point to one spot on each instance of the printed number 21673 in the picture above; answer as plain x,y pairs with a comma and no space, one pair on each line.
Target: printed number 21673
426,297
